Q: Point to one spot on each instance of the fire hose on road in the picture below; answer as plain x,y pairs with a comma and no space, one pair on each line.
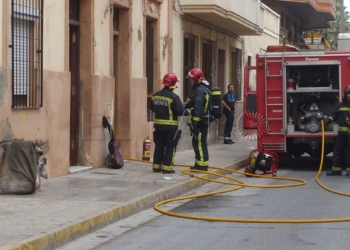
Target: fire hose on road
240,184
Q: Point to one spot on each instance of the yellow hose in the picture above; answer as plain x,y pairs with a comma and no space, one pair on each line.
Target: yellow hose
238,185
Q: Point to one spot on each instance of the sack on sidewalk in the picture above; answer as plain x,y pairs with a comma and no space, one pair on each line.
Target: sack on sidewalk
19,167
114,158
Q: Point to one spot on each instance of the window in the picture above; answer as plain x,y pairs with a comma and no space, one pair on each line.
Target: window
116,20
74,10
115,24
26,53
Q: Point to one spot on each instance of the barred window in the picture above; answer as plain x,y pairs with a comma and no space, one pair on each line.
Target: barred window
26,53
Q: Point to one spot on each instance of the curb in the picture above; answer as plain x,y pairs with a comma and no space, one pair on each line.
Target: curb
62,235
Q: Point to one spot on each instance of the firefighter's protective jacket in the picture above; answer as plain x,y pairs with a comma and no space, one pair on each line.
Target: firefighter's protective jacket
342,116
200,101
167,107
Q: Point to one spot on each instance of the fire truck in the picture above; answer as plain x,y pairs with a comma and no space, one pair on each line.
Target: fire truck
295,91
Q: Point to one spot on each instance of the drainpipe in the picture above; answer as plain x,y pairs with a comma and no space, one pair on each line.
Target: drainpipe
171,4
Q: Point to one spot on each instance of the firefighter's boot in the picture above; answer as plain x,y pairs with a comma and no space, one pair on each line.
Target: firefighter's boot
157,168
199,168
333,173
203,168
168,171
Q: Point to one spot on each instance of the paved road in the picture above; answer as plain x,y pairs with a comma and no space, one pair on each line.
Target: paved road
150,230
68,207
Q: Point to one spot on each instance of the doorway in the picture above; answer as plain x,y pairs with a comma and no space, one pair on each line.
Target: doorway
74,34
149,67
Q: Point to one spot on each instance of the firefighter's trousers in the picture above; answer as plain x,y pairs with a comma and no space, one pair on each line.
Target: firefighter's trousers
165,148
341,153
200,147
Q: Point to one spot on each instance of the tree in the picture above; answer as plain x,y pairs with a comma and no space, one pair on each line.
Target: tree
331,34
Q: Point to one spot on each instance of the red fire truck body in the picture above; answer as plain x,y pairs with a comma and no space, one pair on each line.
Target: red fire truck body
294,92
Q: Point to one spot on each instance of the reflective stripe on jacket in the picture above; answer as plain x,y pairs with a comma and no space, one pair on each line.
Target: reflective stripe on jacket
342,116
167,106
200,101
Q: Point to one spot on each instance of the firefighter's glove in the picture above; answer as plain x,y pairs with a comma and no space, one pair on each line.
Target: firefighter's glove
187,112
194,128
328,120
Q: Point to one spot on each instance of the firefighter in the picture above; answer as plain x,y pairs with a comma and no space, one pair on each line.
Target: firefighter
342,142
200,101
167,106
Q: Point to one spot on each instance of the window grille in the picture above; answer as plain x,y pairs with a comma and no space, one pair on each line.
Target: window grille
26,55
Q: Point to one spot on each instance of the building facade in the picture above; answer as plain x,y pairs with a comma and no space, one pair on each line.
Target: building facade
66,64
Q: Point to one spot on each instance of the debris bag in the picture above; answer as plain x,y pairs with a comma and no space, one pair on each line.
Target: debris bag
18,167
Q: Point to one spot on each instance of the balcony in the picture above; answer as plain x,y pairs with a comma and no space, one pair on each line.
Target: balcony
316,14
236,16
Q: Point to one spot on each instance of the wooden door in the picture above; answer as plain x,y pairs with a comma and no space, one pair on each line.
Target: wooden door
75,94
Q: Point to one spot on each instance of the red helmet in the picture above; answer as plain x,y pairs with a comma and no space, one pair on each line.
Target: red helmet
170,79
197,74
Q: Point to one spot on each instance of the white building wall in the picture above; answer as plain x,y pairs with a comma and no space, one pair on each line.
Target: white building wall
253,45
165,40
247,9
1,32
269,36
137,40
54,35
102,30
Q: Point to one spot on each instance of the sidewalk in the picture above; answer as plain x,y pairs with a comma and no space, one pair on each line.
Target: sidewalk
65,208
